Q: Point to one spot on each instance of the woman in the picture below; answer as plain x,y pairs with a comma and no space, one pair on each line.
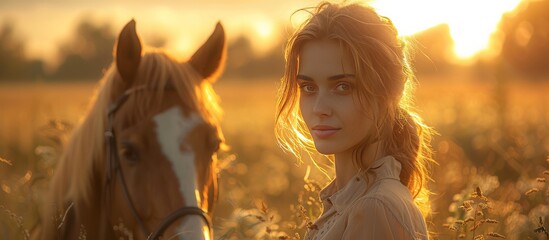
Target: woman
345,94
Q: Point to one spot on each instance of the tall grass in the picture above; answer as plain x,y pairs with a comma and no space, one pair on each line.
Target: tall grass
491,150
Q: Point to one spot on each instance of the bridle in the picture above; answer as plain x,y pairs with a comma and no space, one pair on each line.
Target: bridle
114,169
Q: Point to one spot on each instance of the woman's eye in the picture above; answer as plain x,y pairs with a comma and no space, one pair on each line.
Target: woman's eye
129,152
343,87
307,88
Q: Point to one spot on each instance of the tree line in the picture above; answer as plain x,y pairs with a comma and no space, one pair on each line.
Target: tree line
524,50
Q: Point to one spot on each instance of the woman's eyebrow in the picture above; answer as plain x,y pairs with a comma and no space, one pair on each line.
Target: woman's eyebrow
304,78
331,78
340,76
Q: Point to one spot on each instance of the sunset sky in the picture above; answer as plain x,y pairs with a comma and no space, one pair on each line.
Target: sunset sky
186,23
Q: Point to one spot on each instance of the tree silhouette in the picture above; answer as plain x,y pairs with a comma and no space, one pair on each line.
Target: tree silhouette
244,63
526,44
87,53
239,55
432,50
13,64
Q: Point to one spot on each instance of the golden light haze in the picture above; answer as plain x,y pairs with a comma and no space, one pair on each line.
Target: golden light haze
184,24
472,22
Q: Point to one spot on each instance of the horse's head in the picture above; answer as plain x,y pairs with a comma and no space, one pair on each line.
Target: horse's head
162,137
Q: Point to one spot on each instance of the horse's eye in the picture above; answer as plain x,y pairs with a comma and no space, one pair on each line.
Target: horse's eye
213,140
216,143
129,152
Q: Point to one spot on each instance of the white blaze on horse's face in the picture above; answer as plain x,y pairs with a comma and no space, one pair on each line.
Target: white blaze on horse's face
172,127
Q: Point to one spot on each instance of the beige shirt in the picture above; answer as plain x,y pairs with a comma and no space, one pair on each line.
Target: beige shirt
373,205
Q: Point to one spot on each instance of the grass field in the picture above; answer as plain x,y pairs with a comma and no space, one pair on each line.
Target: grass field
492,134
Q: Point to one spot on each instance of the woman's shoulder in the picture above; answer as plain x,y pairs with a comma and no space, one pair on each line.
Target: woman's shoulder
393,195
390,200
388,189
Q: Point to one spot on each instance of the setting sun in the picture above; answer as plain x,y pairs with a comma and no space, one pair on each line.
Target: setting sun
264,29
471,22
264,32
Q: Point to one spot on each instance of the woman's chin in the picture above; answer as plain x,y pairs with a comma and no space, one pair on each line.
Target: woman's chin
326,150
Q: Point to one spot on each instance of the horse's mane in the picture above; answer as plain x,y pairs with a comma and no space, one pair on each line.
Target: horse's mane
85,151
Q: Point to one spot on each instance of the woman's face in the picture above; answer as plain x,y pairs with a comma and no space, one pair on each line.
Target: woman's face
327,84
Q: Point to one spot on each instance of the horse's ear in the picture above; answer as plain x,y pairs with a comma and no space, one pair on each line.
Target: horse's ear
128,52
209,59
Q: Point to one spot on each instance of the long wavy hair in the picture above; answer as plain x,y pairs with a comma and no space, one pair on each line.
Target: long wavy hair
385,83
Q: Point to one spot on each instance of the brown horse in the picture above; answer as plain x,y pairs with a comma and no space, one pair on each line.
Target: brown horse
142,163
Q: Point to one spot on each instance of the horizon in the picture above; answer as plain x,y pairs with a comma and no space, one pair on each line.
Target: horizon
264,21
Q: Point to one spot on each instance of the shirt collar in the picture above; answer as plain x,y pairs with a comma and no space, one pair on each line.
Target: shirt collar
383,168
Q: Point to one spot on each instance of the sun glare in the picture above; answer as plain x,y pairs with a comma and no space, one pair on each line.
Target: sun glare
264,29
471,22
263,33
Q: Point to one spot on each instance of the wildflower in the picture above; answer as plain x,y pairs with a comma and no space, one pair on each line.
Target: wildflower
260,218
541,228
483,206
479,237
467,205
479,193
533,190
5,161
264,208
488,220
496,235
477,224
469,219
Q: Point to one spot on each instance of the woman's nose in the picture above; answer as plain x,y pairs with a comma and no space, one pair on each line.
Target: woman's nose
322,106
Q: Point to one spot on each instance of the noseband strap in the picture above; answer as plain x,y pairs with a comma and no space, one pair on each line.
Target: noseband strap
114,168
179,213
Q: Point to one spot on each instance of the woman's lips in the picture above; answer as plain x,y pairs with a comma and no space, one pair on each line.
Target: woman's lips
324,131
